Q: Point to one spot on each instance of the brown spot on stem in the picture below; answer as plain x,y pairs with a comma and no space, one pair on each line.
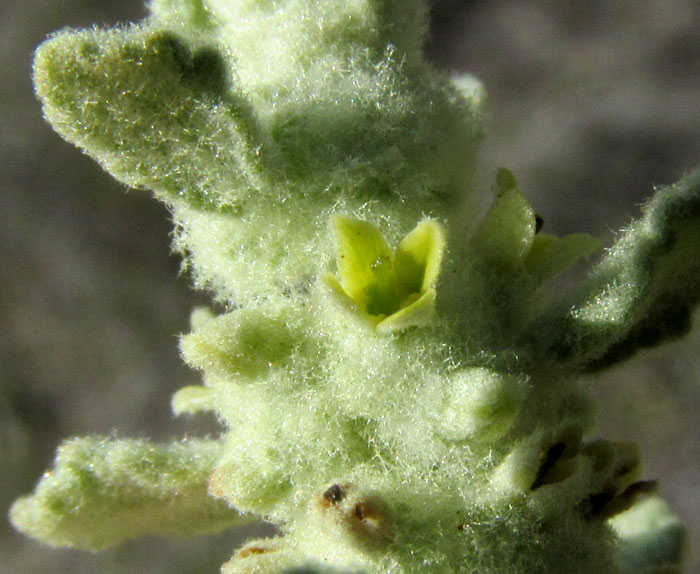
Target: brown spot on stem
334,494
245,552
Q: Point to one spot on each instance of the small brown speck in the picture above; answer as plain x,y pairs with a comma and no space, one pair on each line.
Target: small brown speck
334,494
539,223
245,552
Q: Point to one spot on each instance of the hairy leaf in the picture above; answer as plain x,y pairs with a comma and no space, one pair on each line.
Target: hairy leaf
102,492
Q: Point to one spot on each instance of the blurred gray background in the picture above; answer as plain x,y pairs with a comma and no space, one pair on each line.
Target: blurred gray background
591,105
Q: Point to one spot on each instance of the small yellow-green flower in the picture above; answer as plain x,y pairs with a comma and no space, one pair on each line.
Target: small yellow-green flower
508,239
394,289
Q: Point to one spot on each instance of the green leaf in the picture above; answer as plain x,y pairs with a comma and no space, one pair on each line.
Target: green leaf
240,345
102,492
153,111
641,294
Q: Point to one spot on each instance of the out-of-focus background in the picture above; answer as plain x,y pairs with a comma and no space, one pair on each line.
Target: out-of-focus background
591,105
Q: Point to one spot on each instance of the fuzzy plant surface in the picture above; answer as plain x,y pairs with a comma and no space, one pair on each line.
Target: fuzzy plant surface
396,382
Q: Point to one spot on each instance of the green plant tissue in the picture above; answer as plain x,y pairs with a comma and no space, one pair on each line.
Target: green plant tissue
397,392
